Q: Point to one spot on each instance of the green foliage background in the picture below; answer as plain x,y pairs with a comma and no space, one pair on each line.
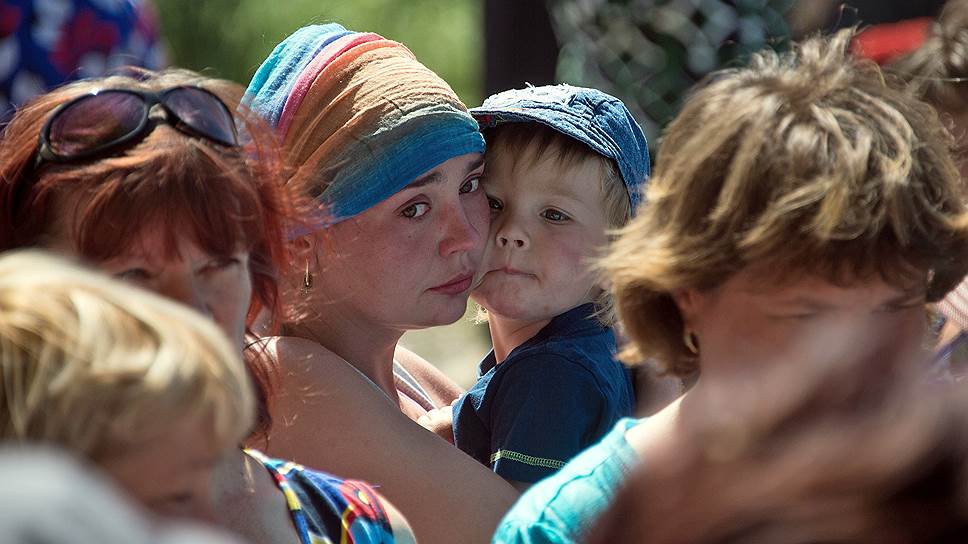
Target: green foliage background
230,38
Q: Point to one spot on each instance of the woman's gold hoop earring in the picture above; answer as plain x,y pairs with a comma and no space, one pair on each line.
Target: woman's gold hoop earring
307,284
691,341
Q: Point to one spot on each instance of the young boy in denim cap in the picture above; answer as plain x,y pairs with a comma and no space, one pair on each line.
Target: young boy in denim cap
565,165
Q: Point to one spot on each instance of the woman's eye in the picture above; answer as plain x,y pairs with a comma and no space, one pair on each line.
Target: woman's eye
554,215
133,274
415,210
470,185
220,264
495,204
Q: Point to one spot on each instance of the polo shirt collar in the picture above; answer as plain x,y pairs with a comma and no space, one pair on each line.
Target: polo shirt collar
578,321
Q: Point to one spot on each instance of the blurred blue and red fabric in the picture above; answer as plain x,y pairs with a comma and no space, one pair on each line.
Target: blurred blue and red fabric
45,43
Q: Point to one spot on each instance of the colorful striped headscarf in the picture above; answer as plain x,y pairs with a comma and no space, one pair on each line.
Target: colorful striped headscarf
358,116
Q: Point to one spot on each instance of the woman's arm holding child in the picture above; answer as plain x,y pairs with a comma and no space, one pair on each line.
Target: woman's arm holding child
329,416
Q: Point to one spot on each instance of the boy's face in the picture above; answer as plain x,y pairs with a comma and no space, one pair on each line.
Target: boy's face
547,224
171,474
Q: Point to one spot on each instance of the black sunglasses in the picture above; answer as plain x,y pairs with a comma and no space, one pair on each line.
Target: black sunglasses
109,119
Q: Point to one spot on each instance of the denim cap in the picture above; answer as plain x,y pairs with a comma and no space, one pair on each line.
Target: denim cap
598,120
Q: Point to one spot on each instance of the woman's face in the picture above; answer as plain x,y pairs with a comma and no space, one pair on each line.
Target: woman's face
747,321
219,286
408,262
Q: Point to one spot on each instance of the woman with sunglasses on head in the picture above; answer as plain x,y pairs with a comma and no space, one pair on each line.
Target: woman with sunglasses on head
150,180
393,162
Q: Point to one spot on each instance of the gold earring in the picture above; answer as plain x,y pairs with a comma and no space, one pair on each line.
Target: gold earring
307,285
691,341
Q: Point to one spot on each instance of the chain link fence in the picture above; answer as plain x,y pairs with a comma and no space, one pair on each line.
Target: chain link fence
650,52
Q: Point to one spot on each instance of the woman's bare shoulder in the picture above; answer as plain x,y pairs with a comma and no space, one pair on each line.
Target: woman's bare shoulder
309,375
298,357
284,348
328,415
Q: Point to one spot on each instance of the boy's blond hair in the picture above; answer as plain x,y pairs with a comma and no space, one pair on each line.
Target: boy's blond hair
92,365
806,163
527,143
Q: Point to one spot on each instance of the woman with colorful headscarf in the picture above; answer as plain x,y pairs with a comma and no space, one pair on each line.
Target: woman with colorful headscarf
392,160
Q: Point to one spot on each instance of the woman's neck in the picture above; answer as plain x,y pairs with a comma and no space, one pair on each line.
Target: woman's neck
655,436
367,346
507,334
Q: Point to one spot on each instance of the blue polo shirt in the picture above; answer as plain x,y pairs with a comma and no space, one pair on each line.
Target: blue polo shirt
553,396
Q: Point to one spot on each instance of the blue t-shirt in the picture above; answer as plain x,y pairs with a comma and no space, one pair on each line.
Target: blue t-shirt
553,396
562,508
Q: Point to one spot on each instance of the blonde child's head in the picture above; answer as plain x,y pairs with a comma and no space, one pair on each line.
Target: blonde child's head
121,376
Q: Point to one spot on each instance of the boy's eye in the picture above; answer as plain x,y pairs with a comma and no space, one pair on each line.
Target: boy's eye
415,210
494,203
470,185
554,215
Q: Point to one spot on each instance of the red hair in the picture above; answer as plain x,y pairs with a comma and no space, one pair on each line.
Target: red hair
228,199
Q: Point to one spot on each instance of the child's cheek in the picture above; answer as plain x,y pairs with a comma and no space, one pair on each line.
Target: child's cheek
572,252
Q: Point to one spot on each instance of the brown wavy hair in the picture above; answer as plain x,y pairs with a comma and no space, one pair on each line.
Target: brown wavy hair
937,70
227,198
808,162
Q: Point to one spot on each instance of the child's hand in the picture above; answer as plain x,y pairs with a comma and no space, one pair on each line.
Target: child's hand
440,421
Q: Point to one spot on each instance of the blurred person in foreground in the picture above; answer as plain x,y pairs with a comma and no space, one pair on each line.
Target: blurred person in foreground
156,395
800,194
50,497
857,449
937,72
